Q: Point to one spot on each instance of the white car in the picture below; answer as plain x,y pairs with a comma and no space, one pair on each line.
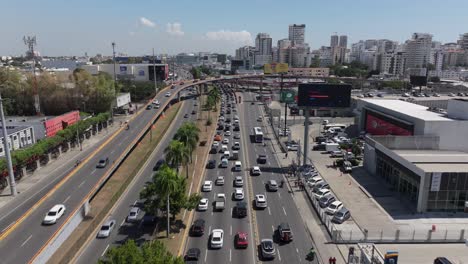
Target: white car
239,194
238,181
320,193
207,186
260,119
220,180
312,182
293,147
215,144
260,201
203,204
217,238
237,136
225,141
224,163
255,171
168,94
227,133
334,207
54,214
133,214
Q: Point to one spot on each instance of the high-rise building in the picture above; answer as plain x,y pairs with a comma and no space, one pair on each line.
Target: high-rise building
297,34
418,50
463,42
343,41
334,41
263,49
284,43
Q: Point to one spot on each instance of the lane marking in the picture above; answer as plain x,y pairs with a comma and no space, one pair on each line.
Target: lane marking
230,257
81,184
279,254
209,231
26,241
136,201
284,211
67,199
269,212
230,232
206,254
104,252
123,222
93,171
279,194
273,228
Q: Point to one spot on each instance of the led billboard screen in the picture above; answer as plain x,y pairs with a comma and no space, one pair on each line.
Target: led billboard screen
418,80
377,126
324,95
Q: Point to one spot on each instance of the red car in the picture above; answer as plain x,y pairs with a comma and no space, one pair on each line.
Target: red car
218,138
241,240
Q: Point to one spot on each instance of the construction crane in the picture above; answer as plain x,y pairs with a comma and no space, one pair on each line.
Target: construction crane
31,42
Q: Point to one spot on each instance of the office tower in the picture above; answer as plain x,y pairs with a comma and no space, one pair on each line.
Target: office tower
297,34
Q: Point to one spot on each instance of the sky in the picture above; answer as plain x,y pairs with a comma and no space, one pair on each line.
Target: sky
65,28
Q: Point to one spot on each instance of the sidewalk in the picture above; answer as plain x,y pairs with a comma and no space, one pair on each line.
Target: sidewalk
31,184
319,234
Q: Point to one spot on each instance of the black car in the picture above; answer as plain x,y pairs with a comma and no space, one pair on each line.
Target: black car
102,163
158,164
192,255
186,116
211,164
194,112
149,107
198,228
240,210
262,159
236,128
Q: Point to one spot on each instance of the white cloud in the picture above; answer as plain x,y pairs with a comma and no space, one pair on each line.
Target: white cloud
237,36
174,29
146,22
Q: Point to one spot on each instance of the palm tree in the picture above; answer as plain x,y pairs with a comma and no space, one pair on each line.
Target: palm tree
188,134
166,183
176,154
215,95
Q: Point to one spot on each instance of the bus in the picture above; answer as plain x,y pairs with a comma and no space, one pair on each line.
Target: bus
258,134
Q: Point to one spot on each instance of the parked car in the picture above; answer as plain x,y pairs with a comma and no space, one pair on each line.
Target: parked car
341,216
267,249
321,193
334,207
326,200
106,229
321,185
198,228
217,238
54,214
312,182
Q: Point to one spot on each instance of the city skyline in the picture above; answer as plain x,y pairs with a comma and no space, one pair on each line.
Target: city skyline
211,26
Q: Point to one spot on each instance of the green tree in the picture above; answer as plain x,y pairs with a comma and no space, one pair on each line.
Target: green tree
315,62
188,134
176,154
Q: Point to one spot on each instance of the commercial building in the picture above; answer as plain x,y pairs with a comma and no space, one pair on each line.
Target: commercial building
418,50
187,58
309,72
334,41
297,34
343,41
421,154
263,49
135,72
18,137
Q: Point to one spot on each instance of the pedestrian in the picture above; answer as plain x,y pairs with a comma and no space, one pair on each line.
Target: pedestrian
334,260
330,260
286,155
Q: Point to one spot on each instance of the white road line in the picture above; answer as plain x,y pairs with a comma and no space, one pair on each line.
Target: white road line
297,250
136,201
190,190
217,172
230,257
269,212
209,231
104,252
284,211
231,210
67,199
123,222
279,194
206,254
93,171
273,228
230,231
269,163
81,184
112,152
279,254
26,241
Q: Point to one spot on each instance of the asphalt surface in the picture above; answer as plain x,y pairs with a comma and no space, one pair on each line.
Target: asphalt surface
134,230
281,207
28,237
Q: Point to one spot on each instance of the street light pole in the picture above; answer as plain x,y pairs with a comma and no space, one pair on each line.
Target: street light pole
154,75
7,151
115,81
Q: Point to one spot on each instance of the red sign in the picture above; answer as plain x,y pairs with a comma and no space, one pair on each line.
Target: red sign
378,127
54,125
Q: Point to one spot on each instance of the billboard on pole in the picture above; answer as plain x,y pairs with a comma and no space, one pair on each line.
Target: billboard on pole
275,68
288,96
324,95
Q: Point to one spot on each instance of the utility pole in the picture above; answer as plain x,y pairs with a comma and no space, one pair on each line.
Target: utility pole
115,82
154,75
7,151
31,42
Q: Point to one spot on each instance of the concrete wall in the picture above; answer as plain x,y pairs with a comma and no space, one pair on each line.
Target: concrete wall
453,134
458,109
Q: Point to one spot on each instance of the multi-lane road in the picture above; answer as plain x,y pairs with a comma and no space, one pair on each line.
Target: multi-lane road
264,223
21,242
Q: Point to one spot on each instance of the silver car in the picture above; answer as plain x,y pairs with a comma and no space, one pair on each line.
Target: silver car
106,229
133,215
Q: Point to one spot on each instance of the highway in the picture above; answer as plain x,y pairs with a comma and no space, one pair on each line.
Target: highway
95,248
21,243
281,207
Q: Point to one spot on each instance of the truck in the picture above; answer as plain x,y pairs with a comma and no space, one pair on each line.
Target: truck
330,147
235,155
220,202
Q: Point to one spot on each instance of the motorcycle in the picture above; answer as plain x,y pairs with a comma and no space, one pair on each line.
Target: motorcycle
311,255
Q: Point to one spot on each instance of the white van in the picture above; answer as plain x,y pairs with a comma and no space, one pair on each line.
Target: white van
237,166
224,148
226,154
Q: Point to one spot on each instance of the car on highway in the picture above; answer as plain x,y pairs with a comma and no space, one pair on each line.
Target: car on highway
217,138
255,171
236,146
158,164
186,115
240,210
326,200
237,166
320,193
54,214
334,207
102,163
238,181
239,194
267,249
224,162
207,186
272,186
227,133
262,159
217,238
133,214
168,94
203,204
211,164
260,201
149,107
219,180
341,215
226,141
194,112
285,233
173,86
106,229
198,228
192,256
241,240
237,135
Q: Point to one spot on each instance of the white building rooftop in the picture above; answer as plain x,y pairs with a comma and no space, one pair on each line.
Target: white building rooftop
407,108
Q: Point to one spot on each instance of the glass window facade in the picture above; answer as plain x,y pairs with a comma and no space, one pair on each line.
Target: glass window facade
452,194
